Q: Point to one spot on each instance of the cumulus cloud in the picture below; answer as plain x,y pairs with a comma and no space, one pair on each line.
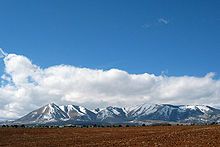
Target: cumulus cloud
26,86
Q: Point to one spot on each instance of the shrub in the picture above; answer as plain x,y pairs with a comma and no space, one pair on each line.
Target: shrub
22,126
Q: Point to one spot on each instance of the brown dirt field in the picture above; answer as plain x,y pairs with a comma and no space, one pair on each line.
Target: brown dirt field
130,136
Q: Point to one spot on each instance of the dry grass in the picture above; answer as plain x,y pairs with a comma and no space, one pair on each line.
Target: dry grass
131,136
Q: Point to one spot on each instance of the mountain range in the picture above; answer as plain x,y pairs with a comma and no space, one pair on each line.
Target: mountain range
72,114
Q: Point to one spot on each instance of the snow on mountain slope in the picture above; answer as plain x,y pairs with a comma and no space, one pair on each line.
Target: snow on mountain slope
78,112
201,108
112,114
144,109
178,113
96,110
160,112
50,112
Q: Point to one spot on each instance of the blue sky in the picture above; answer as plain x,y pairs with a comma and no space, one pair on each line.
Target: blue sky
125,34
121,38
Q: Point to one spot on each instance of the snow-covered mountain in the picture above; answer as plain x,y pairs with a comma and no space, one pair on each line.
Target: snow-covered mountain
49,112
178,113
112,114
159,112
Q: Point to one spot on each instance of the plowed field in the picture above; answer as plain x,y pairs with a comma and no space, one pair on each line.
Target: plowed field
125,136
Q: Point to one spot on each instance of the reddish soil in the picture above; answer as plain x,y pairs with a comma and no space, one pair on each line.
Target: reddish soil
125,136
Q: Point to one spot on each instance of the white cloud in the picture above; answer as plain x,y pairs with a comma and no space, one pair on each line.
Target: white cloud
2,53
146,26
27,86
159,21
163,21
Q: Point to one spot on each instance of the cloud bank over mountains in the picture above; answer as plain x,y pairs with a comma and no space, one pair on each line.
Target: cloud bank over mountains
25,86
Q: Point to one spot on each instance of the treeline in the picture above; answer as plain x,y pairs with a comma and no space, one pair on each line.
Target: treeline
13,126
69,126
65,126
100,126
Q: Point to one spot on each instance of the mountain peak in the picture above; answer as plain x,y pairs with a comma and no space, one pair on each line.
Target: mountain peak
49,112
51,104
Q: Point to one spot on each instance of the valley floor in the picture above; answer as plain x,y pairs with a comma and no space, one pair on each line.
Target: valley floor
125,136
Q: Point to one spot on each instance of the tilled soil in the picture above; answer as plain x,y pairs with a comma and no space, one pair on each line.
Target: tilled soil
126,136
